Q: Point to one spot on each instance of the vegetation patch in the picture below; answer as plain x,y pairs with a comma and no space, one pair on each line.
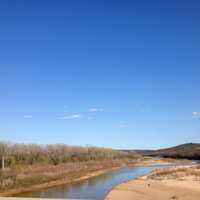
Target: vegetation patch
25,165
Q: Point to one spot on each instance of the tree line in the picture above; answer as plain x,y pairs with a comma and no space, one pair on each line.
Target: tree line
12,154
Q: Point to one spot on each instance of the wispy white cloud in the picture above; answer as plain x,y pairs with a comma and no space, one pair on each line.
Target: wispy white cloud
28,116
94,109
195,114
73,116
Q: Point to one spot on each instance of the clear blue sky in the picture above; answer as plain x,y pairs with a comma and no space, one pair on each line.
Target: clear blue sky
122,74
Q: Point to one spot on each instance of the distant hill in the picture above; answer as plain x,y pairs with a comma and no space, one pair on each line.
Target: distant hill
188,151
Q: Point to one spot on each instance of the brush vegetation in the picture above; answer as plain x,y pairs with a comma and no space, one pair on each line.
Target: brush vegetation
25,165
178,173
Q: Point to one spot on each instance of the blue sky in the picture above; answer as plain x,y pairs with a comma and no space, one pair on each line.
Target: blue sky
121,74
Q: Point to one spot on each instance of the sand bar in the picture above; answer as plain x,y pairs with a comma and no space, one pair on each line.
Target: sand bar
183,184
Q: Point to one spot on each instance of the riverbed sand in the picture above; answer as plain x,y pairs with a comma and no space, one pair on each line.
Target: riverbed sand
183,186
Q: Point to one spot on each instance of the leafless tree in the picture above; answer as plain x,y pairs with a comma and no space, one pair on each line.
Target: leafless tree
30,154
4,148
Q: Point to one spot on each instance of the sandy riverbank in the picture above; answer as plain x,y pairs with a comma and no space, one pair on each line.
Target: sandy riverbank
174,183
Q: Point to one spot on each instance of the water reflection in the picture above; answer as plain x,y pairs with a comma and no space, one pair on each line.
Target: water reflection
94,188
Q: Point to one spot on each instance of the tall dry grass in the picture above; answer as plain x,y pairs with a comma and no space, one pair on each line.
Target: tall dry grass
30,164
178,173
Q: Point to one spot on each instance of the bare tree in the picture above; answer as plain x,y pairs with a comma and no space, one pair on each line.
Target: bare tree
54,154
4,147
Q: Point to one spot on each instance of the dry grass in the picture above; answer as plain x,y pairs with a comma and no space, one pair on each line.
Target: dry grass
28,165
178,173
27,176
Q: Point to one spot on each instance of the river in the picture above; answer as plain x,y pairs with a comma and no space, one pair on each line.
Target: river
94,188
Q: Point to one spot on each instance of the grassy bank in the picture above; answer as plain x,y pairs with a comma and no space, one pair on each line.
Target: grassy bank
180,173
29,167
35,177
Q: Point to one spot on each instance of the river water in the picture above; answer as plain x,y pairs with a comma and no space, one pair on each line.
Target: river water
94,188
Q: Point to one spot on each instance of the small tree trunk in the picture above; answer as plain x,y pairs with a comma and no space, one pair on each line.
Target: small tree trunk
3,163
